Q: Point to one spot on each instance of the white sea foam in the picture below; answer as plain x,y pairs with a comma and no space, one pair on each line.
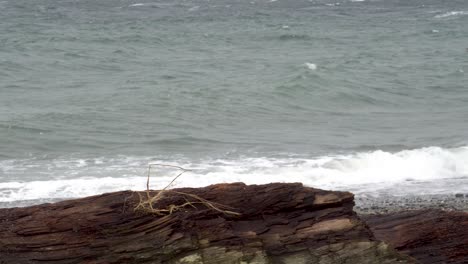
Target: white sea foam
311,66
145,4
13,191
452,13
418,171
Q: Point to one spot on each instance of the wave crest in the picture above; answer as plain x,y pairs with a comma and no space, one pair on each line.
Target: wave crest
415,171
452,13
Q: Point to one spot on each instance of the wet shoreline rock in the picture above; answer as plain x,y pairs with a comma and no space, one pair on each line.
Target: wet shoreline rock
430,236
277,223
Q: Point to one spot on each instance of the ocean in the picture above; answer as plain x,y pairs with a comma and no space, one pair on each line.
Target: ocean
368,96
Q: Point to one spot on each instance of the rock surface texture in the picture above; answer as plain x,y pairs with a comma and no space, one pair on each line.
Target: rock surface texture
430,236
278,223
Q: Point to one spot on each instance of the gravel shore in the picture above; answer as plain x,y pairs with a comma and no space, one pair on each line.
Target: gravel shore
389,204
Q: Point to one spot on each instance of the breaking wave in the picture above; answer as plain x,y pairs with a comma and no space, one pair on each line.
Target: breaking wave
414,171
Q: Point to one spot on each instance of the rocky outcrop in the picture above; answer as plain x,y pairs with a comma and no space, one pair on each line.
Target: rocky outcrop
274,223
430,236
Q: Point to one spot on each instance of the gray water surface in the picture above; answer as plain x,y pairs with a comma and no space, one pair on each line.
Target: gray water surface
194,80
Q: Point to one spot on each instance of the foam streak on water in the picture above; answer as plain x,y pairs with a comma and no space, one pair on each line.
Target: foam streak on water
418,171
452,13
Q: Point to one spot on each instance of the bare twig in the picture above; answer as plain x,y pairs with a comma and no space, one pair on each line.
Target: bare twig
147,205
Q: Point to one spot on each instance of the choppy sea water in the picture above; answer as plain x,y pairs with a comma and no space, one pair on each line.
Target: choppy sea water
368,96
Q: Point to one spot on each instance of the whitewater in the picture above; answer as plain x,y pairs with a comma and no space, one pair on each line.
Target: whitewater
430,170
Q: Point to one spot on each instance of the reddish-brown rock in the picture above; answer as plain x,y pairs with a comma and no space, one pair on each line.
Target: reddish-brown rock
430,236
278,223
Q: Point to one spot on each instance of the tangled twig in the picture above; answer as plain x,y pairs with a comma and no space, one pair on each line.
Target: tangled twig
146,205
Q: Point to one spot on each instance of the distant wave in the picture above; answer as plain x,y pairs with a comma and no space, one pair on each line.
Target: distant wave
159,4
452,13
18,128
363,172
285,37
144,4
137,4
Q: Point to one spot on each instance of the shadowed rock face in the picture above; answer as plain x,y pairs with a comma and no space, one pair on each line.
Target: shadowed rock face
278,223
430,236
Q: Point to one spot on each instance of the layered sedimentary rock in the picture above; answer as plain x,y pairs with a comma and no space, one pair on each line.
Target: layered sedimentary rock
276,223
430,236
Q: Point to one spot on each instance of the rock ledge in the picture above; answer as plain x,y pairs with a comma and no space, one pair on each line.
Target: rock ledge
278,223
